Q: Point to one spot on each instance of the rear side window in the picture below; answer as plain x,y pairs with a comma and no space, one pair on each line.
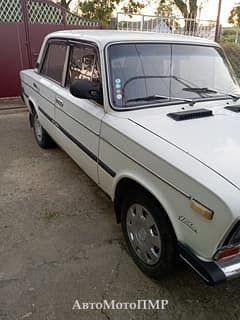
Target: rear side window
54,61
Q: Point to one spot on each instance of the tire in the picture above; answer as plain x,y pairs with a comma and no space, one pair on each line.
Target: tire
149,234
42,137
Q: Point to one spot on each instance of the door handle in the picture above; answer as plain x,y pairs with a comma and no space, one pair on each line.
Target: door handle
35,86
59,102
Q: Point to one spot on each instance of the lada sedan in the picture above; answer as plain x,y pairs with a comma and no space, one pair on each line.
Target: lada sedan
154,120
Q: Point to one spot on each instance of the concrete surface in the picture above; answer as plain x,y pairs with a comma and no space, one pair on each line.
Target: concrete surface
59,242
11,105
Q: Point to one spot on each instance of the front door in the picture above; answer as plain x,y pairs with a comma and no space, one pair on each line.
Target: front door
79,120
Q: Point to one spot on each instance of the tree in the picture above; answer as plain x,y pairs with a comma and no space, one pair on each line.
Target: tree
188,8
133,7
101,10
234,17
64,3
165,8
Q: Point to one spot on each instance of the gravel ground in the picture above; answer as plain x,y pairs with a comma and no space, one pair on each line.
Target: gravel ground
59,242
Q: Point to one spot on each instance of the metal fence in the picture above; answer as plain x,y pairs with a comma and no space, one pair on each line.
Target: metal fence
40,11
173,24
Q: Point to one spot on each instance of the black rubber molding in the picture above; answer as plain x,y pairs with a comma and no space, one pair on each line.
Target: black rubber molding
190,114
209,271
233,108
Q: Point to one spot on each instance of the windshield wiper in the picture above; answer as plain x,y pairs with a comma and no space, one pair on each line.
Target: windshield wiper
200,90
206,90
159,97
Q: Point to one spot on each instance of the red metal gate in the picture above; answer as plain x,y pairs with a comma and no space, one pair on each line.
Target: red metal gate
23,25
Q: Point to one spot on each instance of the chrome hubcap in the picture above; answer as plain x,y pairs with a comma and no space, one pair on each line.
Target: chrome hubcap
38,128
143,234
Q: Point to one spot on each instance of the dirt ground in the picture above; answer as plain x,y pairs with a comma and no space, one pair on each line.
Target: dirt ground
59,242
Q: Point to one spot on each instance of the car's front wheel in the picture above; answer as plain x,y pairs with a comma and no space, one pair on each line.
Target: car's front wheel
42,137
149,234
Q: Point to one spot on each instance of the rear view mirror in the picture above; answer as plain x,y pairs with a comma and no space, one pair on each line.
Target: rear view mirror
86,89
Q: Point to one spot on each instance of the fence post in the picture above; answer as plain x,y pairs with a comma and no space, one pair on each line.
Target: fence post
26,30
218,26
236,37
142,22
117,22
64,18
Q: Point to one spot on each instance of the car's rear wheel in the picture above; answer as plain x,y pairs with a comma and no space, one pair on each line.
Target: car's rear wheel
149,234
42,137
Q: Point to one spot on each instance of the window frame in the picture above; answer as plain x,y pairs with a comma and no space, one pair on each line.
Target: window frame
77,43
70,43
156,104
46,49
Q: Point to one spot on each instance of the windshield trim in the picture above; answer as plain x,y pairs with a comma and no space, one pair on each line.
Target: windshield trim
158,104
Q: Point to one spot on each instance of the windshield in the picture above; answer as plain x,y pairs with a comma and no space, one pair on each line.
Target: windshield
142,74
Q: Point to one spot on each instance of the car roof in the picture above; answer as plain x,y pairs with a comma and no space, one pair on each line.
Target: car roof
103,37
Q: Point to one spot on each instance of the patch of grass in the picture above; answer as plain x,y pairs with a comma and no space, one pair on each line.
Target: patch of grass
229,35
49,215
233,53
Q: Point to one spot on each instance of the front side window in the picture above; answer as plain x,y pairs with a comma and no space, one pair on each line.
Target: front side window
83,64
142,74
54,61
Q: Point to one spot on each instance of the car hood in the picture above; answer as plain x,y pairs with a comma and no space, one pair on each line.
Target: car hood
214,141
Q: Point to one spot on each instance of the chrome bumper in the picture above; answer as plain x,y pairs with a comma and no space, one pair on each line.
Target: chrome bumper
230,267
209,271
212,272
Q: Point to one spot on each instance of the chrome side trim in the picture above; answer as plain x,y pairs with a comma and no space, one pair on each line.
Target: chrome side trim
65,66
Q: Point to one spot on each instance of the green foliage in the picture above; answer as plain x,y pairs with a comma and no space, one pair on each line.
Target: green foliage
233,53
165,8
133,7
49,215
99,10
188,8
229,35
234,17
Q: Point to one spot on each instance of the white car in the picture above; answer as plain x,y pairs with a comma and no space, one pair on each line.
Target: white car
154,120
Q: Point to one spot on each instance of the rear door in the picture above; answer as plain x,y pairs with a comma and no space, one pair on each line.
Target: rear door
50,77
79,120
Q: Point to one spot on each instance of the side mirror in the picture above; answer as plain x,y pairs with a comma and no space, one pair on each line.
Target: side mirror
85,89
